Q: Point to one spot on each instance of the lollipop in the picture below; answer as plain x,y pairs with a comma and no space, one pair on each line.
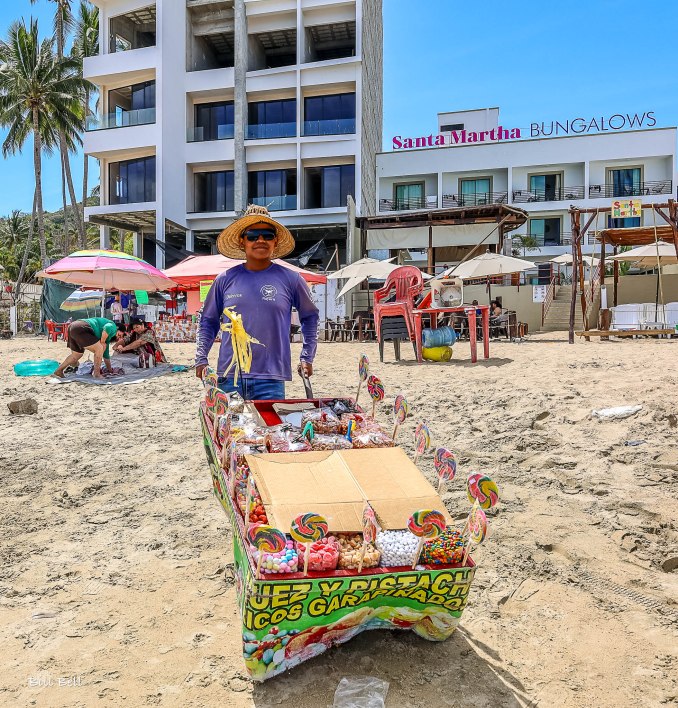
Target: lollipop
210,398
363,370
425,524
306,529
370,530
445,465
481,489
209,377
400,410
220,406
376,390
477,527
265,539
422,439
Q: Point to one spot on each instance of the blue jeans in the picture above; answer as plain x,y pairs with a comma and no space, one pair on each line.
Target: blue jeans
254,389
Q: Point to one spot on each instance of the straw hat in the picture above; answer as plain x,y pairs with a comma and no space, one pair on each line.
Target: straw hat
228,241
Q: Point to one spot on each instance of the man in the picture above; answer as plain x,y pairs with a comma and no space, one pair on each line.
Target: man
94,334
263,293
117,309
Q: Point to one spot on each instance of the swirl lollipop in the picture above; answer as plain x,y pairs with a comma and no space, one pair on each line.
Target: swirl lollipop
363,370
306,529
477,528
426,524
220,405
401,408
422,440
265,539
370,530
209,378
376,390
445,465
482,489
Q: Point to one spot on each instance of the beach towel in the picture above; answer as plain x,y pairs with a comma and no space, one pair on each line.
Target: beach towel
132,374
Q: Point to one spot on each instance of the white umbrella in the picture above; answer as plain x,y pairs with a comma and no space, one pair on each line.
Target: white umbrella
364,269
566,259
648,255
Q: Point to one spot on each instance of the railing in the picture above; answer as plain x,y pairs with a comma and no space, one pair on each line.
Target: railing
200,135
271,130
548,299
408,204
341,126
524,196
207,209
474,199
637,189
286,202
124,119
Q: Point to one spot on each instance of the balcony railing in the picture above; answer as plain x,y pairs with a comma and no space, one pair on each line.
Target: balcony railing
524,196
565,240
286,202
211,208
341,126
124,119
200,134
474,199
410,204
271,130
638,189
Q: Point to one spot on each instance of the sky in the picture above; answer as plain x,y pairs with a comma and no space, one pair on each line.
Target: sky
537,61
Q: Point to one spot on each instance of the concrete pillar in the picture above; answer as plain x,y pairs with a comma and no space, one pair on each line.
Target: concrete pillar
190,241
104,237
240,107
160,238
138,247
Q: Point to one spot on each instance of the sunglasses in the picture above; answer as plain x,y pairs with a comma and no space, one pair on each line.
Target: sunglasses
253,235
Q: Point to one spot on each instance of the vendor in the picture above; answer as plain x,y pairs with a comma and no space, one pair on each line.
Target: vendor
93,334
263,293
141,338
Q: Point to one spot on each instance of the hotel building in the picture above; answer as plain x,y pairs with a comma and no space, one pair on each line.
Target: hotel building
208,105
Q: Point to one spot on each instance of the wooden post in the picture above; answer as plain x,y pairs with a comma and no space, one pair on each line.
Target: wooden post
602,263
431,258
673,215
581,236
574,228
615,278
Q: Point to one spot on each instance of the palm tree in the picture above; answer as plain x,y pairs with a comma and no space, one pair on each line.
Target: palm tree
86,44
524,242
41,96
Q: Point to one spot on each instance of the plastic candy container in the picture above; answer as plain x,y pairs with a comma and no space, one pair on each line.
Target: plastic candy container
351,550
324,554
286,441
330,442
397,548
258,514
36,367
323,420
286,561
447,548
378,438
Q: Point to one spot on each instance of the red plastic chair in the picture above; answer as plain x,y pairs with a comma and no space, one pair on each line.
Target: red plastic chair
408,283
52,333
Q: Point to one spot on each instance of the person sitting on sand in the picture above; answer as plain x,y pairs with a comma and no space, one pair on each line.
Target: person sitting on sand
93,334
141,338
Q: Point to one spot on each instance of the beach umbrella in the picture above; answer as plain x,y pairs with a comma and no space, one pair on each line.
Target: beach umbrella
82,300
364,269
566,259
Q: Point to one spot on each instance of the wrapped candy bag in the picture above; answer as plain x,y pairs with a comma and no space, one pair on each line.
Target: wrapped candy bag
323,420
330,442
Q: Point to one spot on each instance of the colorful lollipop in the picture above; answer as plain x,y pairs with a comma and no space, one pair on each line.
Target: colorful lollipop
422,439
425,524
401,408
220,406
363,370
209,378
481,489
306,529
376,390
265,539
445,465
477,528
370,530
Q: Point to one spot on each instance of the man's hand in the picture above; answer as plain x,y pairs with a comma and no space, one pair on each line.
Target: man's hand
199,369
305,368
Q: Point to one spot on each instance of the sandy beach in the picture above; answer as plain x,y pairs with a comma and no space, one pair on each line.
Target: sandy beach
116,584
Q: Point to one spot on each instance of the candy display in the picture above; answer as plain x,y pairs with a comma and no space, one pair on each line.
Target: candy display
447,548
324,421
284,561
482,489
323,554
287,441
354,554
331,442
397,548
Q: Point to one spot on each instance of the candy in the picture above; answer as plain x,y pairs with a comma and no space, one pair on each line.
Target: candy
477,525
401,408
220,406
370,525
363,366
323,554
266,539
422,438
397,548
445,464
330,442
375,388
308,527
284,561
447,548
426,523
482,489
209,377
352,556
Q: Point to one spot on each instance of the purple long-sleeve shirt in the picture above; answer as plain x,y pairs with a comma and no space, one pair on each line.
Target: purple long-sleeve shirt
265,300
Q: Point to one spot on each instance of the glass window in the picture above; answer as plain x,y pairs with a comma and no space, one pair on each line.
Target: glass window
272,119
625,182
274,189
329,186
545,231
546,187
132,181
214,121
475,191
409,196
329,115
214,191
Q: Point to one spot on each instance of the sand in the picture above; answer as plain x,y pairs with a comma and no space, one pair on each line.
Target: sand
116,583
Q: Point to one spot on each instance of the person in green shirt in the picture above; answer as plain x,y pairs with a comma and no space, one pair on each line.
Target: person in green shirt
94,335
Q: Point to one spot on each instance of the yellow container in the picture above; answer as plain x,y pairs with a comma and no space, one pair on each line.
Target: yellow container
437,353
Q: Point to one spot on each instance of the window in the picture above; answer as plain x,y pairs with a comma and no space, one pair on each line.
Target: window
409,196
450,128
213,121
329,115
274,189
623,223
133,30
625,182
329,186
214,191
128,105
546,188
545,231
132,181
272,119
473,192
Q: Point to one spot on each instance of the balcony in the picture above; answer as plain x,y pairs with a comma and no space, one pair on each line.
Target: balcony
286,202
341,126
638,189
133,30
264,131
474,199
201,134
411,204
124,119
526,196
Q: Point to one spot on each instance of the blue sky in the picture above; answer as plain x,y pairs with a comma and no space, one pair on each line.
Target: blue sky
536,61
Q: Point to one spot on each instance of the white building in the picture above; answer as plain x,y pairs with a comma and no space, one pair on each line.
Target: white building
207,105
473,160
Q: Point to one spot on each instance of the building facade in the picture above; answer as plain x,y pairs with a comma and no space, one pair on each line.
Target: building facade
208,105
472,159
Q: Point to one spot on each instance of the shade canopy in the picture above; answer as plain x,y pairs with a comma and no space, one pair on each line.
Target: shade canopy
486,265
193,269
648,255
365,268
109,270
566,259
82,300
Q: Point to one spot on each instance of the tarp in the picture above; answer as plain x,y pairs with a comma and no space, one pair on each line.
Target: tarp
54,292
461,235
